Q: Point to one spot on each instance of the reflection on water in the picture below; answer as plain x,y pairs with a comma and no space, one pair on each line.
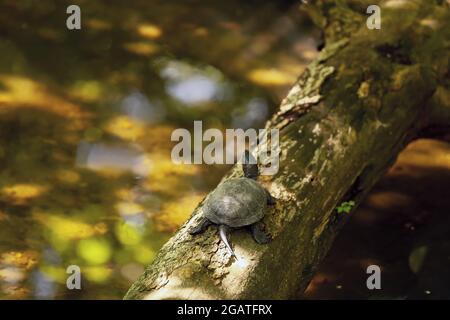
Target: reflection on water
86,119
255,111
192,86
139,108
44,286
102,156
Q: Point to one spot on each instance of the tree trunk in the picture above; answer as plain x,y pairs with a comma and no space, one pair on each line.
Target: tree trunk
368,94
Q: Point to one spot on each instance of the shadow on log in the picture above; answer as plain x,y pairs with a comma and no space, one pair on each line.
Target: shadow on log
368,94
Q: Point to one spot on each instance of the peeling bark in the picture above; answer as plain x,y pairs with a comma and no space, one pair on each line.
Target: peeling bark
369,93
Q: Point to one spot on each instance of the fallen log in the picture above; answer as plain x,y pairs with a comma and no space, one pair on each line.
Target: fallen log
367,95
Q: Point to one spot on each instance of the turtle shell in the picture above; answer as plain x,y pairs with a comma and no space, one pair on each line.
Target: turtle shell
236,202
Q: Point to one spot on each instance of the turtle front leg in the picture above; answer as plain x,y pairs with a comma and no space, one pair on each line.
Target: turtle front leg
261,237
200,227
270,200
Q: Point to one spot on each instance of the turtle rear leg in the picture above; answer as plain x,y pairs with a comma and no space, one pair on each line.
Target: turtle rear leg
200,227
261,237
223,233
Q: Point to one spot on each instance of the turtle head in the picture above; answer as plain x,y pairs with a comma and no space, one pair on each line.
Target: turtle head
249,165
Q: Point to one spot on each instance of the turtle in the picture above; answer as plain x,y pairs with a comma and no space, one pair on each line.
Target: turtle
237,203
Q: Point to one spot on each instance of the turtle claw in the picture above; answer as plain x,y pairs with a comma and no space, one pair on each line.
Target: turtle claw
259,235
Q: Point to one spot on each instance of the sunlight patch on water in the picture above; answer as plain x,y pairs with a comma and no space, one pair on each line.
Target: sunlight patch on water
97,274
125,128
128,234
65,228
271,77
87,91
94,251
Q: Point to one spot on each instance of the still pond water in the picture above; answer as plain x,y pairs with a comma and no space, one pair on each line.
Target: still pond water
86,118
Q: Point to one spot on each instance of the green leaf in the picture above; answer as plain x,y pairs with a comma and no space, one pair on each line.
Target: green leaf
346,206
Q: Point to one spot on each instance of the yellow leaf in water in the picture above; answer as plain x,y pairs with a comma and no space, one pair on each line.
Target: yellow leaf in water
21,259
149,31
141,48
125,128
21,193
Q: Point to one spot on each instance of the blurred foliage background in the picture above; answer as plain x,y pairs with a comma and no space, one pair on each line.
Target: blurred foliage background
86,118
85,122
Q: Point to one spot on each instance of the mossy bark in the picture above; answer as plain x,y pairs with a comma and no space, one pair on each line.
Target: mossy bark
369,93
